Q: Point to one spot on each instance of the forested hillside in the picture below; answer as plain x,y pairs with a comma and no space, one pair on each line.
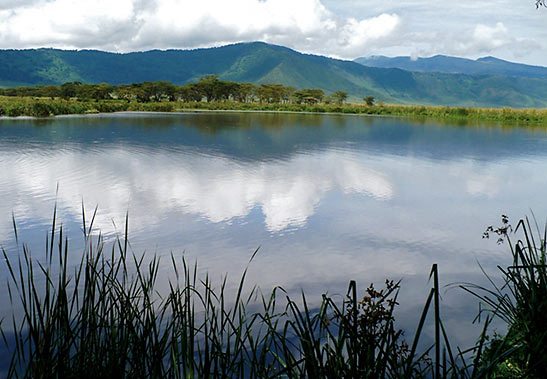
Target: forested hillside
261,63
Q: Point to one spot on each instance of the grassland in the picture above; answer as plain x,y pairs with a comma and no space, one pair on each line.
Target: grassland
46,107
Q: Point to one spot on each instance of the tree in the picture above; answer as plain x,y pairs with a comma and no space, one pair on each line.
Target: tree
69,89
140,92
270,93
246,92
209,87
308,96
369,100
125,92
287,93
163,89
226,90
340,97
94,91
51,91
190,92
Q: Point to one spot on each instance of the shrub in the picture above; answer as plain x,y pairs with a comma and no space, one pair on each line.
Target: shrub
40,109
16,110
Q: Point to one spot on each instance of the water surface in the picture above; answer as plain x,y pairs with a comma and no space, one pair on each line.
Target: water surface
327,198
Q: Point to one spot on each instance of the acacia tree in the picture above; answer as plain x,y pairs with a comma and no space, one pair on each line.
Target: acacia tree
68,89
309,96
287,94
125,92
94,91
369,100
270,93
246,92
340,96
209,87
189,92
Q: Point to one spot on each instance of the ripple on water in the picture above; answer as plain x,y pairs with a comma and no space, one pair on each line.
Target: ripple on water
326,202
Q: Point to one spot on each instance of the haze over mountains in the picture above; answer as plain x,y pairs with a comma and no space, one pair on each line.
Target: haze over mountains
488,82
453,65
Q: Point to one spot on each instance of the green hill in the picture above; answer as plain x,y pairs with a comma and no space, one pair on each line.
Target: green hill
263,63
454,65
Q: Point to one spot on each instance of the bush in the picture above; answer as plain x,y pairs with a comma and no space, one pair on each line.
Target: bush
16,110
39,109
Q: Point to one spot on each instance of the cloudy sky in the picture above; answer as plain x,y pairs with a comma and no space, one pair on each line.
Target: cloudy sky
509,29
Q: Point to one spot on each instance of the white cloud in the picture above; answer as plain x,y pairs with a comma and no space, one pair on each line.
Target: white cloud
341,28
126,25
67,23
10,4
491,36
480,40
485,39
363,34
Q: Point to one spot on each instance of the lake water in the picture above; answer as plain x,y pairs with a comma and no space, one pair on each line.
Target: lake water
327,198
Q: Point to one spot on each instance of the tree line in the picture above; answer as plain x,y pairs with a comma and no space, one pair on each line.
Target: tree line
208,88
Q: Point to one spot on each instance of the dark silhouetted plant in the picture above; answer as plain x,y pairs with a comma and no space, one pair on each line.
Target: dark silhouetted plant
105,317
521,301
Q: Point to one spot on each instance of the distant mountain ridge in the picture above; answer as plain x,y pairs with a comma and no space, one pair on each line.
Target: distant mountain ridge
454,65
260,63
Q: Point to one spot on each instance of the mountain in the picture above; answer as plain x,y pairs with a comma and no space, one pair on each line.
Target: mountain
453,65
259,63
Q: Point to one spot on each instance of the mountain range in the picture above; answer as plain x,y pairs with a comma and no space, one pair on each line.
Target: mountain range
453,65
460,83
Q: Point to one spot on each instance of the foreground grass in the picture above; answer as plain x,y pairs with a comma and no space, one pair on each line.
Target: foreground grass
105,318
45,107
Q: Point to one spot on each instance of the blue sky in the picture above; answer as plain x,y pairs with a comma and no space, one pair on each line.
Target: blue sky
509,29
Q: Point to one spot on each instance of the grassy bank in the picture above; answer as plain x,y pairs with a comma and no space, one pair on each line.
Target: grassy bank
532,116
45,107
106,318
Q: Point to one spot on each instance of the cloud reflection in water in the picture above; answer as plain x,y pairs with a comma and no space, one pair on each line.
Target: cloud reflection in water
214,187
328,198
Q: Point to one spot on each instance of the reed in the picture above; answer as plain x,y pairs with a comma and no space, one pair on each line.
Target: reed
105,317
510,115
520,301
45,107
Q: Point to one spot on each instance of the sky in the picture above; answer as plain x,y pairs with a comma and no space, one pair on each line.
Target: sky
509,29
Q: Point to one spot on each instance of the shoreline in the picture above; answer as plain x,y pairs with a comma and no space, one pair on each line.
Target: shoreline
20,108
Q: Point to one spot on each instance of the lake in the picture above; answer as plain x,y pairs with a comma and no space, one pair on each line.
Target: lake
327,198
